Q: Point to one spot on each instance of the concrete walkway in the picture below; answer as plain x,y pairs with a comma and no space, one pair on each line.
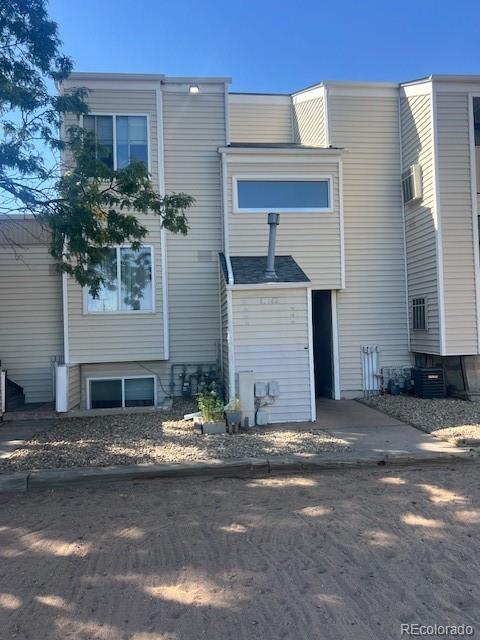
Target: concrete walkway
372,434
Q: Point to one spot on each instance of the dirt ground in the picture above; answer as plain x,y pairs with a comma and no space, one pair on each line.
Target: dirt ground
331,556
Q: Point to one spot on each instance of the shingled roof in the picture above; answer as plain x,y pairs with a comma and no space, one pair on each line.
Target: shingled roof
251,270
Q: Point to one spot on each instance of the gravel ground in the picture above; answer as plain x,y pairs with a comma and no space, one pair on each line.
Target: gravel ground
155,437
449,419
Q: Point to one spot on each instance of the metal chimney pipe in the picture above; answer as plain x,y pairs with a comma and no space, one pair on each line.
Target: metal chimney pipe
273,221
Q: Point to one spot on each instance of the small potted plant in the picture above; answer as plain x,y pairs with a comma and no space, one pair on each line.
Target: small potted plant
211,409
233,415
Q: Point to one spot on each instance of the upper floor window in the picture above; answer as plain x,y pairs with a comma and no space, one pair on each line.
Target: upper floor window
261,195
119,139
128,282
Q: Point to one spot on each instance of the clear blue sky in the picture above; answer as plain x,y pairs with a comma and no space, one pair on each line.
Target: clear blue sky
273,45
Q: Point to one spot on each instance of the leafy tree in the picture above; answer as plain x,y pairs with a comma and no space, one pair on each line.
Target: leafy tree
88,206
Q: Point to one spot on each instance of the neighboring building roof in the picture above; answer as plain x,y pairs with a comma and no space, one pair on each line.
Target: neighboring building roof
251,270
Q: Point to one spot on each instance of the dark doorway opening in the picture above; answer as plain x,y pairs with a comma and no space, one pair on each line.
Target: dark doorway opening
322,343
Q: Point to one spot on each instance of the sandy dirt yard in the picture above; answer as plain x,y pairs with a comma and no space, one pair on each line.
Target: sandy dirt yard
331,556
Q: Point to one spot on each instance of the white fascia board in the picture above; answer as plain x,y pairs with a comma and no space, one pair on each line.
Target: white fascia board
417,89
308,94
259,98
363,89
269,285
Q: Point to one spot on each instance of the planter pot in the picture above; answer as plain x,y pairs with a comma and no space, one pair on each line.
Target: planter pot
214,428
234,420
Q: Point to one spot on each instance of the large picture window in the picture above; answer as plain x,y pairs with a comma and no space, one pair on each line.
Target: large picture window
119,139
261,195
128,282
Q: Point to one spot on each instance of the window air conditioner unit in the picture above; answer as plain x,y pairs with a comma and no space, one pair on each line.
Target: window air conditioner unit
412,183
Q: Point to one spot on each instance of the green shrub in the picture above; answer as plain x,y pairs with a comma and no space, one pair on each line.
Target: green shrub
209,404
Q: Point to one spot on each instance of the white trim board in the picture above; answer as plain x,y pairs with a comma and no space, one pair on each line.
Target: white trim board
438,221
311,367
474,187
163,235
269,285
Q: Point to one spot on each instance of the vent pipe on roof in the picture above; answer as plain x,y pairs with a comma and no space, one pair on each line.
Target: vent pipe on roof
273,222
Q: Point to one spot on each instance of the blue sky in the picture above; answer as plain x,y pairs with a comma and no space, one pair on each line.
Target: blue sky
273,46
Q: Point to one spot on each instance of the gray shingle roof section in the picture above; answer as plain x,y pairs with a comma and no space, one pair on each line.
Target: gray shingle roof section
251,270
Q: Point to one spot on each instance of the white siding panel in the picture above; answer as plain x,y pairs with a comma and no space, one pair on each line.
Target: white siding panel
121,337
313,239
372,308
267,120
420,218
194,129
224,342
271,338
457,223
31,331
309,127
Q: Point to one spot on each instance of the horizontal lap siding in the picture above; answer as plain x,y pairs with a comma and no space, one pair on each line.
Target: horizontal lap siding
420,218
194,128
372,308
309,122
271,338
121,337
257,121
313,239
31,330
457,223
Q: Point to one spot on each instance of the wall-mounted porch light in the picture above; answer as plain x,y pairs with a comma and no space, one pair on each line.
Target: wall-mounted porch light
194,88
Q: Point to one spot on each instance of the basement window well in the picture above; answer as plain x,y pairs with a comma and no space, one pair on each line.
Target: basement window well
281,195
111,393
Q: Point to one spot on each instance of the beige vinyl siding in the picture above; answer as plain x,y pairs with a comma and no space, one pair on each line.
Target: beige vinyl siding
420,218
313,239
256,118
123,336
454,175
159,369
372,308
224,343
309,126
194,128
271,338
74,387
31,332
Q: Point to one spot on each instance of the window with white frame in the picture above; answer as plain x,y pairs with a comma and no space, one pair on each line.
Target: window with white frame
127,285
419,314
253,195
119,139
122,392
